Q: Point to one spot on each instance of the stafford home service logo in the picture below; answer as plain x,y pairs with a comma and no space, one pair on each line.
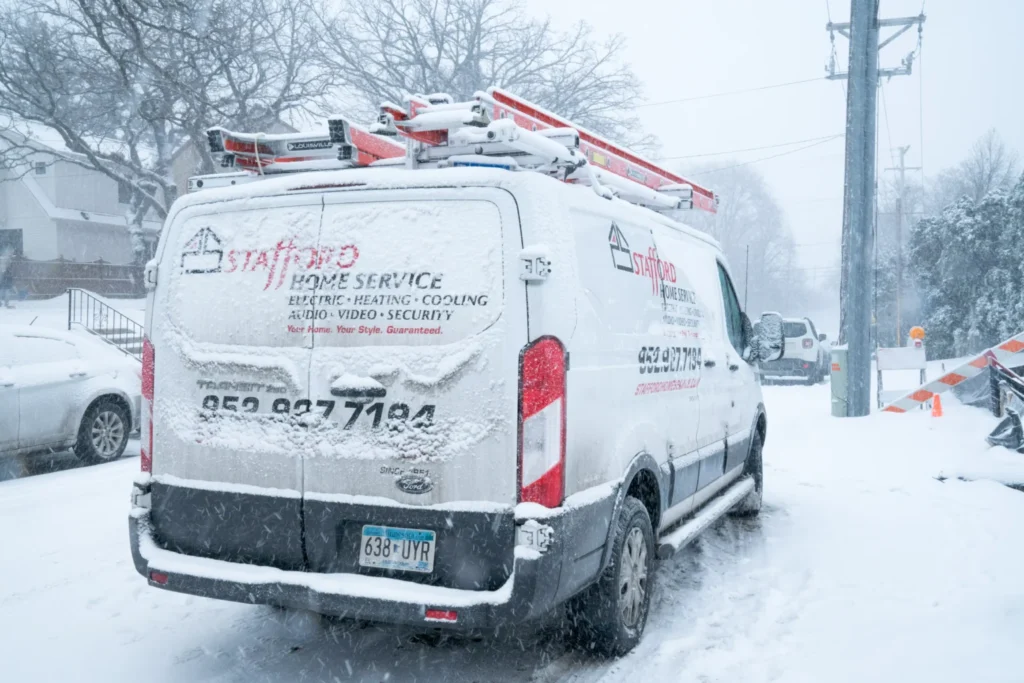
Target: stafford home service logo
205,253
202,253
647,265
622,257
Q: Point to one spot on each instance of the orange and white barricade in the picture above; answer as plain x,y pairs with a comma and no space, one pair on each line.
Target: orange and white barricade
1006,352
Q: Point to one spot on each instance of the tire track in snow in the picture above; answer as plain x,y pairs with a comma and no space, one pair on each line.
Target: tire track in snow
716,606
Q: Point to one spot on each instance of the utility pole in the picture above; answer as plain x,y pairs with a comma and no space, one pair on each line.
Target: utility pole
902,168
859,191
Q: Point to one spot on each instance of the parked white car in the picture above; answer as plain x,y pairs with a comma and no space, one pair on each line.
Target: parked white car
807,356
61,390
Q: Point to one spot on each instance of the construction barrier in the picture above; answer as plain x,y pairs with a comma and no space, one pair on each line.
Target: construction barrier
1004,353
900,358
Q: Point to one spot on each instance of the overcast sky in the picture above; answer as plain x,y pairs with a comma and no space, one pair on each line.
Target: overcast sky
972,59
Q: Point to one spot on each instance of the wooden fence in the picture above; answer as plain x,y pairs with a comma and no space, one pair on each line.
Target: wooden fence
47,279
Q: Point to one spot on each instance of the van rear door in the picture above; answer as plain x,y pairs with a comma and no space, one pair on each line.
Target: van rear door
232,357
413,379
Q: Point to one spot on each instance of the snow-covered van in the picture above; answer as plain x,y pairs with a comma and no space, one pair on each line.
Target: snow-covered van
454,397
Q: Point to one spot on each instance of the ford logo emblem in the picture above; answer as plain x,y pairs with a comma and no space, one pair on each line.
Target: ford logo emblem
413,483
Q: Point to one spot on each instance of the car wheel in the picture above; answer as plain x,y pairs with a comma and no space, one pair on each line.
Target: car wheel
609,617
754,467
103,434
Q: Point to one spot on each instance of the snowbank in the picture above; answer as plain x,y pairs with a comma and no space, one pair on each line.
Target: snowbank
53,313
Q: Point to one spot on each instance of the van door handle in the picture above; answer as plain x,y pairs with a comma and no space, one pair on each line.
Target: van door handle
709,363
6,384
78,374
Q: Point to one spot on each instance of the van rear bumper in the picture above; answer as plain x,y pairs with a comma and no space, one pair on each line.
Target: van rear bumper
539,581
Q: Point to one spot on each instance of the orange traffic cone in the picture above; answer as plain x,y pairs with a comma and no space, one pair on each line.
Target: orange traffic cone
937,406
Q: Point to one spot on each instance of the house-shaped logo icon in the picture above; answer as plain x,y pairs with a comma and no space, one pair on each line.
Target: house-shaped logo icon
622,258
202,253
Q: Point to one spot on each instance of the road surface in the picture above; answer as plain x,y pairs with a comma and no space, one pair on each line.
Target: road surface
863,566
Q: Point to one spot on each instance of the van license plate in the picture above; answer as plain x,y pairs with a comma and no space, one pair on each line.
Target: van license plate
388,547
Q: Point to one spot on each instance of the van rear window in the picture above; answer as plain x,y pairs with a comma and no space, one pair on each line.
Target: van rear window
792,330
346,274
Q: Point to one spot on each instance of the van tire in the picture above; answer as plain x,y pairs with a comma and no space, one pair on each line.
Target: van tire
753,467
103,433
609,617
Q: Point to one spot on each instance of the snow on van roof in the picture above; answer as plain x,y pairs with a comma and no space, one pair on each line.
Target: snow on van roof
385,178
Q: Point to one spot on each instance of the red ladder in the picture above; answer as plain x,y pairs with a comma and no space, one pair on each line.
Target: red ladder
599,152
429,120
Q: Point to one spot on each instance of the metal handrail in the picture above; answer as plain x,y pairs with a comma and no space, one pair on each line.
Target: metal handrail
106,322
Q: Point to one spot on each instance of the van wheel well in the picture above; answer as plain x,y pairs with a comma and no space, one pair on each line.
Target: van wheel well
762,427
644,488
114,398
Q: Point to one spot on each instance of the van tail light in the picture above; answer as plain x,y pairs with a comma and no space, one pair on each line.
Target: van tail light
146,433
808,343
542,422
448,615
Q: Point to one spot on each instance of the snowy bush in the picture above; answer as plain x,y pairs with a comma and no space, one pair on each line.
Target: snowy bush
968,265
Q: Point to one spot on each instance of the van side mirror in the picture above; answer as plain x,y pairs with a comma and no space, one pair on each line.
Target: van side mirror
750,333
822,337
771,344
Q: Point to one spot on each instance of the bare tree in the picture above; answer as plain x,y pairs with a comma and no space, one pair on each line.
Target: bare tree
388,49
126,82
990,165
750,216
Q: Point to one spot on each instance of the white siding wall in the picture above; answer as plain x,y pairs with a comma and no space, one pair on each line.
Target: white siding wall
184,165
86,242
84,189
23,212
46,180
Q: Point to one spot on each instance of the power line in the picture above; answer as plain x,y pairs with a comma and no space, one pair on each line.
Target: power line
728,92
751,149
817,268
888,131
818,244
816,200
773,156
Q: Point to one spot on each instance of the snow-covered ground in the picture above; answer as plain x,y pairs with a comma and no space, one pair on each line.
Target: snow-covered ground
863,566
53,313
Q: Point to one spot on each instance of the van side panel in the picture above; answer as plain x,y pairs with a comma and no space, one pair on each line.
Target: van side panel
699,261
637,356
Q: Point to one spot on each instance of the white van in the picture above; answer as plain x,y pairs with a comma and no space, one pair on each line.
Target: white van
455,397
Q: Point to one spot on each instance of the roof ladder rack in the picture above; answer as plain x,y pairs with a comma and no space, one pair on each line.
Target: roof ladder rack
494,129
442,129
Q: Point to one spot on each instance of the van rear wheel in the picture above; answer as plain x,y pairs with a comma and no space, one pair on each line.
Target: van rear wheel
609,617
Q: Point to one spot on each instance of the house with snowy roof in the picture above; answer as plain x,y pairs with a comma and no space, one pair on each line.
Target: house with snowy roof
52,208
